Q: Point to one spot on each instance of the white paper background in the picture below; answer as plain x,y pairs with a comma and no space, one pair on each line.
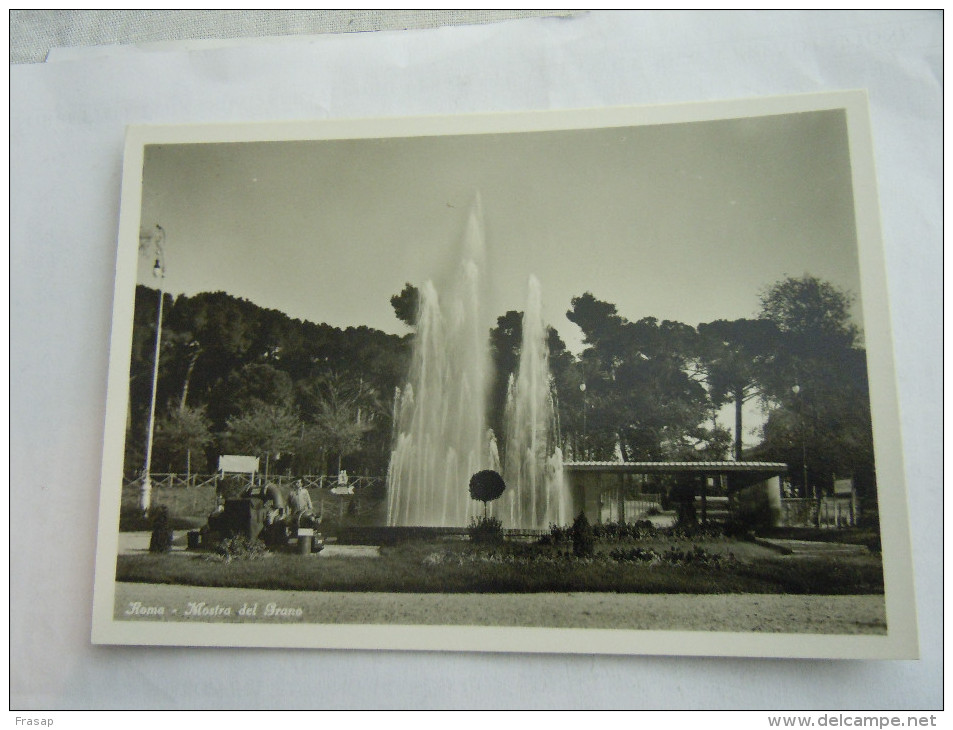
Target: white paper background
67,122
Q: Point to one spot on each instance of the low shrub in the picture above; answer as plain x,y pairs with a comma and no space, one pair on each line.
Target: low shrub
696,556
682,495
240,548
607,532
624,531
486,531
752,510
161,540
558,534
583,540
634,555
738,529
695,532
457,566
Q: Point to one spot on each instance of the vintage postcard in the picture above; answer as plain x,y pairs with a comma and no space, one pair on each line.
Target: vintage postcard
601,381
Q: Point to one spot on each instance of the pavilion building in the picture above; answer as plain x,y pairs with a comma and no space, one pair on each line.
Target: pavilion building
612,491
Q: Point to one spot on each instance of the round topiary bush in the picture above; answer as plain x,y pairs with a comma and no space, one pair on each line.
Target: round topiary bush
485,486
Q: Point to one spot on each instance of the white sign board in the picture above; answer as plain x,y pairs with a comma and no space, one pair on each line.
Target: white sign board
229,463
843,486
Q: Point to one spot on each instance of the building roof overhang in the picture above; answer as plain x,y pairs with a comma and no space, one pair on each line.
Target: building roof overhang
673,467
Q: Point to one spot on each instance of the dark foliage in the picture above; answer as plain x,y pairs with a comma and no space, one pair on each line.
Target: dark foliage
695,532
643,387
506,342
241,548
461,567
226,357
406,304
683,496
751,512
161,539
486,531
623,531
731,355
696,556
558,534
825,419
583,541
486,485
641,396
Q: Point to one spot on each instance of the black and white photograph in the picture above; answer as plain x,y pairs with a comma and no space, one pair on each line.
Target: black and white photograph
611,381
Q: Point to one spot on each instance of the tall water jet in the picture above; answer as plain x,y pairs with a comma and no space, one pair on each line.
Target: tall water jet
532,467
441,434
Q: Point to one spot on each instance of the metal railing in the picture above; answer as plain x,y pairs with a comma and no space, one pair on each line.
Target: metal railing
311,481
829,511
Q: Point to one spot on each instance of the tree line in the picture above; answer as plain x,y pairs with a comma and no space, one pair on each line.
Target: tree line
311,398
652,389
238,378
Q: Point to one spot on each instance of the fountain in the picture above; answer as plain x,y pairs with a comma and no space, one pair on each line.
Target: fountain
532,466
440,432
440,417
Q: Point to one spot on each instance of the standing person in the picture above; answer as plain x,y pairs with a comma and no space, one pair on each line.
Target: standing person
300,498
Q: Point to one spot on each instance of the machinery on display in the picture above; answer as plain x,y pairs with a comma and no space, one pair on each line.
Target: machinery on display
261,511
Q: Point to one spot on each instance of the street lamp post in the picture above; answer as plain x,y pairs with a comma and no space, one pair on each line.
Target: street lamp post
158,271
582,387
796,389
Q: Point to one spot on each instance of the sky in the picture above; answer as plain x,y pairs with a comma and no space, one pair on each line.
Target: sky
687,221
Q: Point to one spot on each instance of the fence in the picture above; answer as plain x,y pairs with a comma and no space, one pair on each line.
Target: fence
175,480
839,511
311,481
632,509
798,512
836,511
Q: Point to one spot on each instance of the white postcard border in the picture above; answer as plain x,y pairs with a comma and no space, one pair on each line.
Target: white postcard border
901,639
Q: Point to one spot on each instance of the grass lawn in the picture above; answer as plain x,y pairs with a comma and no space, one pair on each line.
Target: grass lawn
188,508
657,562
456,566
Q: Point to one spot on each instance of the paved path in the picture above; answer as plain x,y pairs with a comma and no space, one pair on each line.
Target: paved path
810,549
863,614
723,612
